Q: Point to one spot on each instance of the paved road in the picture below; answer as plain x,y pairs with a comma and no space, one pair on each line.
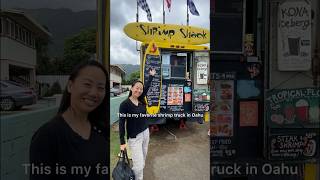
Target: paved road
42,103
114,106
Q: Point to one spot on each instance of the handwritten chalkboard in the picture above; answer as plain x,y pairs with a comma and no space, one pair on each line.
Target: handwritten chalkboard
153,94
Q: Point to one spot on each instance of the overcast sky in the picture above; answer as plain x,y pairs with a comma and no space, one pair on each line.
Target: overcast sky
123,48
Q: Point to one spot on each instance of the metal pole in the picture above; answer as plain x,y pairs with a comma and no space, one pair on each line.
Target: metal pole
137,20
317,50
100,29
137,14
187,14
163,13
106,36
318,22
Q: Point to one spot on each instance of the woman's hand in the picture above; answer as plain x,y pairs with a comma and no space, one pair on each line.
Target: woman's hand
123,147
152,72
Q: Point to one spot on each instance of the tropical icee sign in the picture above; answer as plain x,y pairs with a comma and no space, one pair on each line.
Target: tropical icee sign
293,108
294,36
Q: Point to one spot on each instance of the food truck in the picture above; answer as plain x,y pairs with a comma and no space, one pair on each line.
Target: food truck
180,89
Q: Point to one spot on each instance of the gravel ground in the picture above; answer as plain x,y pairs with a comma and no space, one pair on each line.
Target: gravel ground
184,158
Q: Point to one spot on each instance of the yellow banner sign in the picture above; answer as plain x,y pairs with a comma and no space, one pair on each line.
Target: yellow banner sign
169,33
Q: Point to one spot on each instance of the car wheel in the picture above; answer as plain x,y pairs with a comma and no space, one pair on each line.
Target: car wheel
7,104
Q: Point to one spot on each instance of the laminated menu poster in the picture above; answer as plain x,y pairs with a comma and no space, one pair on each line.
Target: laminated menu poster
222,147
293,108
175,95
222,120
152,60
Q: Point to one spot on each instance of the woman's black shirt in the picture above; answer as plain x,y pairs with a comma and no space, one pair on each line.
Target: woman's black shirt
63,154
130,113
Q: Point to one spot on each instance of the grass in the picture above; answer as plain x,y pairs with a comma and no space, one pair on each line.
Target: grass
114,147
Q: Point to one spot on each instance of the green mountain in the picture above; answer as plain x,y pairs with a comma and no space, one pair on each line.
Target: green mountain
129,68
62,23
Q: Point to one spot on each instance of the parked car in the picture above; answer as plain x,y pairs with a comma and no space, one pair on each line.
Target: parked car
14,95
115,91
125,89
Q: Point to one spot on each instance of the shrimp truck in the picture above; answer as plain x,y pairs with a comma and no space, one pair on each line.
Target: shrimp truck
180,89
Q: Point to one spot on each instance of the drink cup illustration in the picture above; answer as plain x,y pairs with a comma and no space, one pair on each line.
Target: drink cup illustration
204,96
294,46
302,110
289,114
314,113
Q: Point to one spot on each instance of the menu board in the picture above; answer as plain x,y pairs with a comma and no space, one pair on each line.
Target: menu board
175,95
222,119
294,145
222,147
153,94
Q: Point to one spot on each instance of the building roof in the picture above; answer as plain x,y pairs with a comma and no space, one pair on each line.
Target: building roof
24,19
118,67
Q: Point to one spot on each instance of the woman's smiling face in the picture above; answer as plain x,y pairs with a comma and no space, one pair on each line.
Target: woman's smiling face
87,89
137,89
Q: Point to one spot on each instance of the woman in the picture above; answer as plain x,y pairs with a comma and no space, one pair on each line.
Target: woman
74,144
137,127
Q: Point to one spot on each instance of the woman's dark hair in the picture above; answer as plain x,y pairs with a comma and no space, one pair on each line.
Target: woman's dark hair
98,116
140,98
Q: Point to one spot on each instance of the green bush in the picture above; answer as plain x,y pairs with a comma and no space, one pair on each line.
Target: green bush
56,88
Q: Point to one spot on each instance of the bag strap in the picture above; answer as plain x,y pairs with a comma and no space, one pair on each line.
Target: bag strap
125,155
